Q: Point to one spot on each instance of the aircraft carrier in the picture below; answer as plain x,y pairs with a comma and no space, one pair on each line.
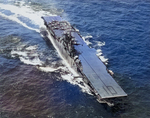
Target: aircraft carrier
82,59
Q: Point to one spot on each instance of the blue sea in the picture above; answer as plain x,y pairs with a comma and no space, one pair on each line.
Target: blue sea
36,83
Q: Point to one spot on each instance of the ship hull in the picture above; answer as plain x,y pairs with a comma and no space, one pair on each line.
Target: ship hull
87,64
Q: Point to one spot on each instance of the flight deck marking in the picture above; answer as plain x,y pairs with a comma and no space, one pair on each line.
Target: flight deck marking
111,89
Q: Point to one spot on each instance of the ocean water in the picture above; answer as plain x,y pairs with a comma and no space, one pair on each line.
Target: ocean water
36,83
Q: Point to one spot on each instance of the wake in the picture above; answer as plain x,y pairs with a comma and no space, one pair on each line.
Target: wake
23,15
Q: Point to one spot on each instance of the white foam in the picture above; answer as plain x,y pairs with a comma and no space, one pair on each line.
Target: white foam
47,69
101,57
28,55
100,43
20,53
86,39
24,11
89,36
50,69
32,47
35,61
14,18
77,81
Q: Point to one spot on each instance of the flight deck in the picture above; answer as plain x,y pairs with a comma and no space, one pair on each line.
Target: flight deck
68,41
